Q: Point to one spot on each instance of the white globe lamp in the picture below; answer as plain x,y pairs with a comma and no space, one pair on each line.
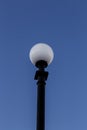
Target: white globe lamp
41,52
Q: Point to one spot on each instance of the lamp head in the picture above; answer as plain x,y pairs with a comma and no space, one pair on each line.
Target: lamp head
41,54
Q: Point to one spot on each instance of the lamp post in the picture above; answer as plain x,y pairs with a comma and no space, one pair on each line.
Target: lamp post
41,55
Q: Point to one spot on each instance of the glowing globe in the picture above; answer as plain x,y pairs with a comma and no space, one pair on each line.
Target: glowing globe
41,51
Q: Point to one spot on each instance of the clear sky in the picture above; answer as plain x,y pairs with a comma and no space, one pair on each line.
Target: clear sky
63,25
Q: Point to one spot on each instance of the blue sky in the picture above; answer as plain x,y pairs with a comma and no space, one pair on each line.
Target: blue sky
63,25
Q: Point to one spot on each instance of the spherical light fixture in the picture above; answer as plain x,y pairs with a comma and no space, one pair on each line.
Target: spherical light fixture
41,52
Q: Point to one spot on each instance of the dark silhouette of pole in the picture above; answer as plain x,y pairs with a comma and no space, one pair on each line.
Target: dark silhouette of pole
41,76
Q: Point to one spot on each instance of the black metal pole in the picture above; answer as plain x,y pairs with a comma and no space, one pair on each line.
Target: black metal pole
41,75
40,106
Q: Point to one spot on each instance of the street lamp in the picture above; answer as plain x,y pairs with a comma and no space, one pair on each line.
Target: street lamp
41,55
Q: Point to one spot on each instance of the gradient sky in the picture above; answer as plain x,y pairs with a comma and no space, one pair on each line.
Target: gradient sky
63,25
